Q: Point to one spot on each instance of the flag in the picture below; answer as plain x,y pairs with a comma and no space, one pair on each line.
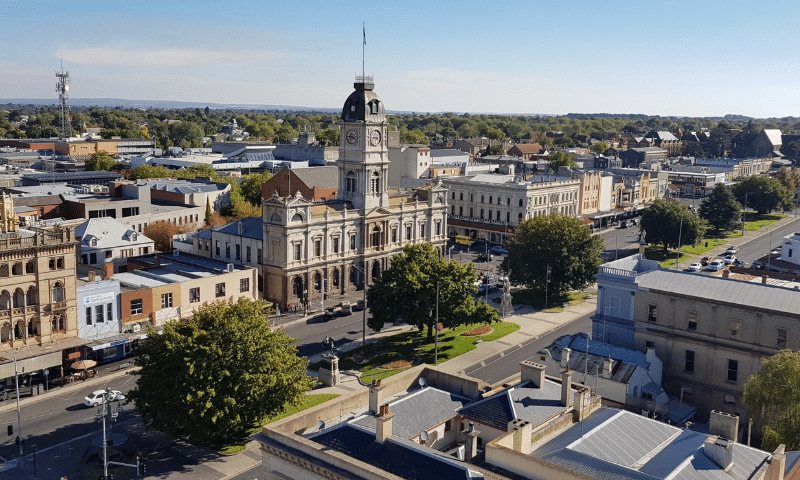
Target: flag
364,30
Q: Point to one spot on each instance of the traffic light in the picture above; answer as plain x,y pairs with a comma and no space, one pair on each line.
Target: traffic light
141,468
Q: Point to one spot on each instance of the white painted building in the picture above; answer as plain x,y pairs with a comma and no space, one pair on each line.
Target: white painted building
105,240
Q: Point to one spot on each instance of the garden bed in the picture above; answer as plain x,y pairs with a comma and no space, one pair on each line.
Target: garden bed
481,330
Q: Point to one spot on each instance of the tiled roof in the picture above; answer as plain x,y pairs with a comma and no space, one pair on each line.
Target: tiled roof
419,411
320,177
391,456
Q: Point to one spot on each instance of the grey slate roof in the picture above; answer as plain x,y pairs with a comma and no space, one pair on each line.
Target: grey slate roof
392,456
181,186
252,227
419,411
109,234
523,401
728,290
321,177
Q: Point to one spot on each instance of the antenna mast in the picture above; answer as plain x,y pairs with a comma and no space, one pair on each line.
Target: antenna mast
62,88
363,47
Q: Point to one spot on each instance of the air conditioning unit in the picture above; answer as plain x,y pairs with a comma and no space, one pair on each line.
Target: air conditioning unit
137,328
230,267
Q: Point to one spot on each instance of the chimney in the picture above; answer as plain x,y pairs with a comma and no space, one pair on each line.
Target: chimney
533,372
777,464
240,227
375,396
91,276
724,425
522,436
565,357
108,270
471,442
720,450
607,364
566,388
383,426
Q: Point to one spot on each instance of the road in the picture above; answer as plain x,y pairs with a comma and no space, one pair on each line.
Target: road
498,367
59,418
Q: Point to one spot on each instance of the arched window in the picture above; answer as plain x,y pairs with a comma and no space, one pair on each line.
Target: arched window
31,298
482,199
498,216
58,292
460,196
350,182
508,201
335,277
19,298
520,218
490,199
33,328
453,210
5,300
297,218
5,332
17,269
376,237
520,202
353,276
460,210
376,270
317,282
490,214
508,216
57,323
471,197
470,212
481,214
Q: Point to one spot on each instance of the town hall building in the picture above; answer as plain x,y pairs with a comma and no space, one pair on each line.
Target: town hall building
324,248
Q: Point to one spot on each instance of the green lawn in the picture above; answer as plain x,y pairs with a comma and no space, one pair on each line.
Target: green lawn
756,221
555,303
412,344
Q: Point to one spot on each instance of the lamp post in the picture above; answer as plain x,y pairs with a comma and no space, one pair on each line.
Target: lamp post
108,397
364,310
19,416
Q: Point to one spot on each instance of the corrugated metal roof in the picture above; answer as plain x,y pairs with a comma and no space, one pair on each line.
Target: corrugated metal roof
737,292
774,136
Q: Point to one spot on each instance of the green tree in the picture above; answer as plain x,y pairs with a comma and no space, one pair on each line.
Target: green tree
228,373
251,187
720,209
100,161
414,137
772,398
764,194
789,177
560,159
149,171
408,289
242,209
693,149
284,133
209,213
260,130
599,147
189,133
560,241
668,222
329,135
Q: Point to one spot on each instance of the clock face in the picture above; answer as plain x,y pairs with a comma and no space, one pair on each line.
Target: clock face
352,137
375,137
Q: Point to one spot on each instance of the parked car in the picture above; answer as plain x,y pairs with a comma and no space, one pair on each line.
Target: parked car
704,261
498,250
732,250
695,267
482,257
623,224
739,263
98,397
729,259
346,308
716,265
359,306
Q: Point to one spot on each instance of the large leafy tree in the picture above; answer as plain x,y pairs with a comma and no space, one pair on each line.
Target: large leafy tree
561,242
764,194
772,398
213,377
251,187
670,223
599,147
560,159
721,209
100,161
408,289
149,171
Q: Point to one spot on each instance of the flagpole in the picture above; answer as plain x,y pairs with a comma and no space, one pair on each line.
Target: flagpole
363,47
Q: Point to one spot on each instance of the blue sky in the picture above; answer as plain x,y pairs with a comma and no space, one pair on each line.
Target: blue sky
703,58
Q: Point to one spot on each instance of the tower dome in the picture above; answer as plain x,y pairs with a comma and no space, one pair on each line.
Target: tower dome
363,105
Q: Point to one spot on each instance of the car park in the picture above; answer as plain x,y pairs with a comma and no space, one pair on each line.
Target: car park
694,267
98,397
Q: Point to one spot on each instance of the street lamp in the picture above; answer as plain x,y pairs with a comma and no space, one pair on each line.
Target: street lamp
108,397
364,310
20,440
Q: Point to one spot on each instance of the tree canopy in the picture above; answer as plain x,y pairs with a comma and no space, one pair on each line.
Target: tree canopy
720,209
563,243
251,187
772,398
408,289
764,194
100,161
668,222
560,159
599,147
227,373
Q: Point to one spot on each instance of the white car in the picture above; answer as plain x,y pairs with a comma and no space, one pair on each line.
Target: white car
729,259
98,397
695,267
716,265
731,250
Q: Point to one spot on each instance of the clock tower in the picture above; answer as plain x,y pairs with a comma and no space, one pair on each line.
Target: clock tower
363,151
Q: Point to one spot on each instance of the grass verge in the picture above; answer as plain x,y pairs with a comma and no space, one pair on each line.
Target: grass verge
555,304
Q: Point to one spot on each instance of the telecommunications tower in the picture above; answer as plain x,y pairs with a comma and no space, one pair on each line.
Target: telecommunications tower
62,88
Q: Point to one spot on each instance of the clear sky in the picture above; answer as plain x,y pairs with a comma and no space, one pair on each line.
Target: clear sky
699,58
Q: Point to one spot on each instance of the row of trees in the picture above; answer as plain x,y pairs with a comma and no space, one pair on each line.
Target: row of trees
195,123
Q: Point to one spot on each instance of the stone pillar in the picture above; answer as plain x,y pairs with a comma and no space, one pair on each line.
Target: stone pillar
471,443
329,370
777,464
375,396
566,388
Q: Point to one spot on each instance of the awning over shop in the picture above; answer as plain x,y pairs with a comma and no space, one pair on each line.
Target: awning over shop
115,340
30,364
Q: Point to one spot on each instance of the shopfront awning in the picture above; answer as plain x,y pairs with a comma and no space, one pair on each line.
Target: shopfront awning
31,364
114,340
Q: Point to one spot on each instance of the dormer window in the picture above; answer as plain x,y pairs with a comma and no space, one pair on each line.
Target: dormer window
94,242
134,237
